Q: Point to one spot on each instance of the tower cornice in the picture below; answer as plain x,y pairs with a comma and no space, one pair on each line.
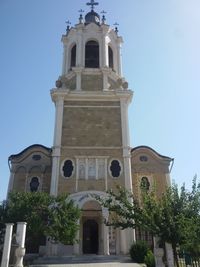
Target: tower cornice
110,95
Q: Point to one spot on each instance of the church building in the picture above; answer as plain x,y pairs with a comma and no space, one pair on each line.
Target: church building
91,150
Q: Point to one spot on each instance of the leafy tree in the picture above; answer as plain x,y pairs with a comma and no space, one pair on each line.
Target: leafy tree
62,224
174,217
55,217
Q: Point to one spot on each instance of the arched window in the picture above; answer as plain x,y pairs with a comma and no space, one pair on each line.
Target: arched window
34,184
145,185
73,56
92,54
110,57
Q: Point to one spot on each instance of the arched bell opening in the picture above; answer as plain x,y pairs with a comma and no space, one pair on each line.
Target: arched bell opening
110,57
92,54
73,56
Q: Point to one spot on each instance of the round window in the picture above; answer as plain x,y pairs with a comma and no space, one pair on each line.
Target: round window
67,168
115,168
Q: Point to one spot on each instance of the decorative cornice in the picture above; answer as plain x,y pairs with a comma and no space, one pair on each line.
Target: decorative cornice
14,156
152,150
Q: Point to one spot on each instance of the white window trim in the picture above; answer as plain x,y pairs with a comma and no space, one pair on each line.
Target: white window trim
29,178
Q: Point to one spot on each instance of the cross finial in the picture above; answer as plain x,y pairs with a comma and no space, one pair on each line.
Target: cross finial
116,28
68,26
81,15
81,11
103,17
92,3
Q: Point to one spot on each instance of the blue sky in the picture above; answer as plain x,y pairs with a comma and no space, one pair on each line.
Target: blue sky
161,62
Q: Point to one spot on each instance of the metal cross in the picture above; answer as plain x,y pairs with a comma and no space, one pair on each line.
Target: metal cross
103,12
68,26
68,22
92,4
116,28
81,11
103,17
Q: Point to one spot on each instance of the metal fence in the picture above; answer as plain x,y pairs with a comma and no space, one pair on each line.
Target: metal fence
185,259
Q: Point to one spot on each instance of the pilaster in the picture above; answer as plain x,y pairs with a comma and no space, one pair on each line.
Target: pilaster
57,145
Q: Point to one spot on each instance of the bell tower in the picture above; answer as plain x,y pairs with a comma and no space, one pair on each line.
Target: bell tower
91,137
91,150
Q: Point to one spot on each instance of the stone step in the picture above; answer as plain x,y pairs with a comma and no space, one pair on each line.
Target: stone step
84,261
103,264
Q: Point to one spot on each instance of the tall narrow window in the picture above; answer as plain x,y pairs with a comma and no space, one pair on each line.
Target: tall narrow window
73,56
110,54
145,185
34,184
92,54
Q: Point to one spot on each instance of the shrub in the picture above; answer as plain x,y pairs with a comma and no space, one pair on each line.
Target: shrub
138,251
149,259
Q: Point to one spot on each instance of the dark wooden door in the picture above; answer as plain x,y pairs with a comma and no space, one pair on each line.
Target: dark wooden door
90,237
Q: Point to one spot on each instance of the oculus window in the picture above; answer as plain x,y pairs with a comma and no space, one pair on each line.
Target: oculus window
67,168
115,168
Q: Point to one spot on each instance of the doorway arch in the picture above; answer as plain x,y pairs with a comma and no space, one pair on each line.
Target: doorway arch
90,237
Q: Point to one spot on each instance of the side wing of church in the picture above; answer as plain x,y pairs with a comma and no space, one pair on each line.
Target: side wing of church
91,150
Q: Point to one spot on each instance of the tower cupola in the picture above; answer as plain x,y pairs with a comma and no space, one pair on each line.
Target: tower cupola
92,17
92,54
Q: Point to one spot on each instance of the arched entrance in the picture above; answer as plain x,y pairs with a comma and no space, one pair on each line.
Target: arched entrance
90,237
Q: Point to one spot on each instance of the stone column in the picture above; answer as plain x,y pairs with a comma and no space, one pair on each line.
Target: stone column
123,242
126,144
105,72
65,59
119,65
57,144
76,245
105,234
158,253
78,71
106,240
20,238
169,255
7,245
21,233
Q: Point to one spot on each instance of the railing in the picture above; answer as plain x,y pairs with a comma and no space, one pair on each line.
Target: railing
185,259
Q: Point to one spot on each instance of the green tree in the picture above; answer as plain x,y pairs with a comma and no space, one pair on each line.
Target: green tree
174,217
55,217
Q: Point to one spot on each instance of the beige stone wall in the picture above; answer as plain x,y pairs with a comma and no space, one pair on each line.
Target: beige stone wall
156,169
69,185
92,82
88,126
19,183
69,83
24,167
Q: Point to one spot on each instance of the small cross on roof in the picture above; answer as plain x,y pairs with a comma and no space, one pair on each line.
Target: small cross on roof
92,3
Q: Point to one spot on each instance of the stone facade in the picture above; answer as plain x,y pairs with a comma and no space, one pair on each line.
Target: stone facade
91,149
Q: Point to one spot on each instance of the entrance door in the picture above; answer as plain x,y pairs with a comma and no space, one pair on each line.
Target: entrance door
90,237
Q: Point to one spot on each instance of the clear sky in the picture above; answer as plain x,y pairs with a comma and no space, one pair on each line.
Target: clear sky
161,62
